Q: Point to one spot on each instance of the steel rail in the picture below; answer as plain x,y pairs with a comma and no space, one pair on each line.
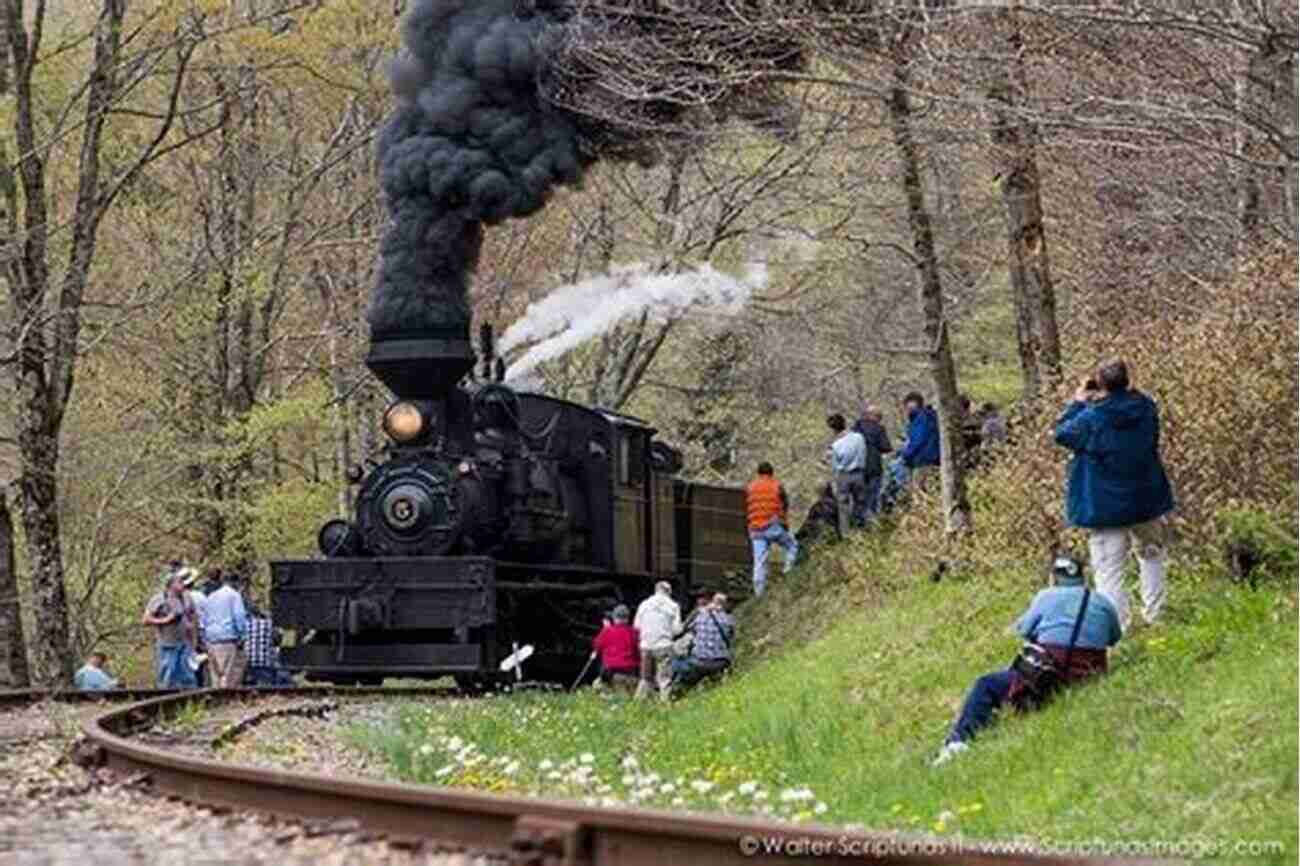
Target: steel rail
535,831
17,698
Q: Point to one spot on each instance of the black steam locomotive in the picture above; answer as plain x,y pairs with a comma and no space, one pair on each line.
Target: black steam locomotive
498,520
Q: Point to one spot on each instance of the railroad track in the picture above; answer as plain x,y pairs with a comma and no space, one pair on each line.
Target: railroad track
17,698
532,831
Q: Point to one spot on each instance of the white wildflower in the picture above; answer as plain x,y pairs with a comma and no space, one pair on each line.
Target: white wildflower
678,801
726,798
748,788
701,786
555,774
667,788
761,795
586,757
455,743
819,809
628,780
546,764
511,768
607,802
796,795
443,771
426,750
629,763
652,779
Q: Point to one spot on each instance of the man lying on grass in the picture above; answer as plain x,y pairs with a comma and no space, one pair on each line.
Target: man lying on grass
1068,628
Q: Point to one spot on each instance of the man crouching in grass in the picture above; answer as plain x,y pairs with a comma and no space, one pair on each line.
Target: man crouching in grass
711,653
1069,628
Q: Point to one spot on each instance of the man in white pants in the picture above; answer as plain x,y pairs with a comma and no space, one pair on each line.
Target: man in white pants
658,619
1117,486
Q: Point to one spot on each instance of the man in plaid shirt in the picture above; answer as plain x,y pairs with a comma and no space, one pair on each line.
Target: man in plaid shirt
711,654
262,653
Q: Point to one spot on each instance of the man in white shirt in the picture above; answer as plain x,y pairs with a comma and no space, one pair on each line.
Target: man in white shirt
848,457
658,619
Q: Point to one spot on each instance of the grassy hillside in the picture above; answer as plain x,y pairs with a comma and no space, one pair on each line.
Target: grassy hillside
852,669
1192,737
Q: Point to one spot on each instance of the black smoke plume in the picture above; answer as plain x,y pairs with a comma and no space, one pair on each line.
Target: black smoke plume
490,118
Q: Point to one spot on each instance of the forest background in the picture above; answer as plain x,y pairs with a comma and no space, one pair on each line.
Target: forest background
959,198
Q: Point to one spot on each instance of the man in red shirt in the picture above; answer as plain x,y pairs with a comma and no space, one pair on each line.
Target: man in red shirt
619,646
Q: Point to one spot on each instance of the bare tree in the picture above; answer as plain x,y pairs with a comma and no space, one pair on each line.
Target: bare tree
48,266
13,649
1015,137
943,371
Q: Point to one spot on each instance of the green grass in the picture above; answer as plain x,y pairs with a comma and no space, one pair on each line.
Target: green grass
188,717
1193,736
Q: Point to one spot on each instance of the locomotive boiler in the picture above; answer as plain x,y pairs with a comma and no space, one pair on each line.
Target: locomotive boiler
496,519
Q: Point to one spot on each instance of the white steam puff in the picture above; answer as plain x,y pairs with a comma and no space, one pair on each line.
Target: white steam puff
573,314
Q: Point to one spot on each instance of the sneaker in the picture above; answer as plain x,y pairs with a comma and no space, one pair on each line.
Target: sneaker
948,752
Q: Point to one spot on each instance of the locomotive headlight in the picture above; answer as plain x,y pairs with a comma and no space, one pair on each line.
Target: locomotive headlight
403,422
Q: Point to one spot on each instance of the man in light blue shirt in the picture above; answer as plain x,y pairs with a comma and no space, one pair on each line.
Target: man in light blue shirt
91,676
1050,622
225,625
848,457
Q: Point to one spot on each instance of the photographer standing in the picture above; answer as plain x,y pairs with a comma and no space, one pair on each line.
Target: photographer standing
1117,487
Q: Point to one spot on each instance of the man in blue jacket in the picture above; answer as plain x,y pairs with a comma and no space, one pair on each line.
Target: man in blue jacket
921,448
1117,487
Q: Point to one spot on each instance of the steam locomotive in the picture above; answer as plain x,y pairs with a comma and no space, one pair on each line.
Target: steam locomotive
498,520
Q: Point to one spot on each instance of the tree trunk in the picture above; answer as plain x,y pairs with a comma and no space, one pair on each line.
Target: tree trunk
45,312
1026,342
13,649
1271,97
40,515
930,288
1015,141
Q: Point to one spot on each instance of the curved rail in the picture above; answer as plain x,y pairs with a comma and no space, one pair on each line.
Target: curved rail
555,833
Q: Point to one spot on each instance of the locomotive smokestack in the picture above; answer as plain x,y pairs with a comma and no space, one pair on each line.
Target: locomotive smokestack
469,143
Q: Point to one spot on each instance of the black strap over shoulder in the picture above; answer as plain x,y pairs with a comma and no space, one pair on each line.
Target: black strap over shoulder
1078,624
722,631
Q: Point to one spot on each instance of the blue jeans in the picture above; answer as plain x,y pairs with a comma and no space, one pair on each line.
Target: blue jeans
989,692
896,479
173,667
871,501
268,676
761,541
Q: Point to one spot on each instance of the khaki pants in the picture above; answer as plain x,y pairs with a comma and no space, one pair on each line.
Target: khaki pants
850,491
228,662
1109,549
656,664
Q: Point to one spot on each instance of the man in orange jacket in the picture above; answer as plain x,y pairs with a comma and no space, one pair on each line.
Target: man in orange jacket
766,504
